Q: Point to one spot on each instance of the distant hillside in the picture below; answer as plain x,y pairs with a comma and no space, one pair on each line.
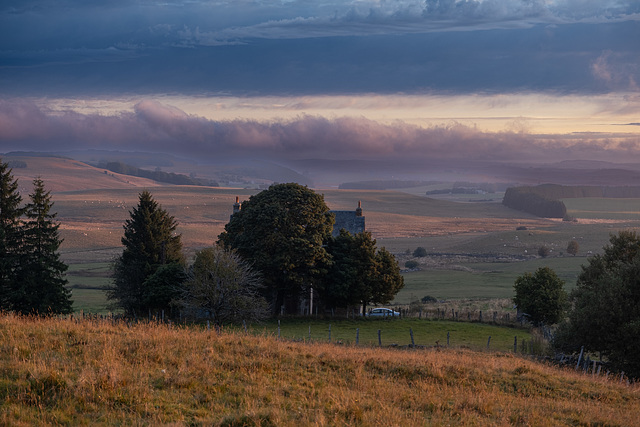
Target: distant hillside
383,184
64,174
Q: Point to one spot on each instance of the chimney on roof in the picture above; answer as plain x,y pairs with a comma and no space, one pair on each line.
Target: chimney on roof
237,205
359,209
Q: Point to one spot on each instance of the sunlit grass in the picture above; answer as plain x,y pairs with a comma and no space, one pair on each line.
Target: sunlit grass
62,372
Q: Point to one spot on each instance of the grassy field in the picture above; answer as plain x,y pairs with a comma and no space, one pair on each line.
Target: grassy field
474,249
398,332
65,372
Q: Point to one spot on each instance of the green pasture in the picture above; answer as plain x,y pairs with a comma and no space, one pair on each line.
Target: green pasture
89,300
397,331
482,280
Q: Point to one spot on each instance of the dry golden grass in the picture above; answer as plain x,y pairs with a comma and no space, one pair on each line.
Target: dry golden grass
71,175
97,373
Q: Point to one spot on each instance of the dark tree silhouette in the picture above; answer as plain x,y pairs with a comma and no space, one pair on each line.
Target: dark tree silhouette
360,273
605,315
40,282
10,213
281,232
150,242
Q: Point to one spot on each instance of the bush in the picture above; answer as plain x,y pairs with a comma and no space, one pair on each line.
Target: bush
429,298
411,264
543,251
420,252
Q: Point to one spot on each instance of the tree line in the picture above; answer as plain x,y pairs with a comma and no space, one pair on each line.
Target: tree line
31,273
157,175
534,201
545,200
275,255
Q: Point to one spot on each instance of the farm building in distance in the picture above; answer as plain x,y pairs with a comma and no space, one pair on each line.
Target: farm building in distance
352,221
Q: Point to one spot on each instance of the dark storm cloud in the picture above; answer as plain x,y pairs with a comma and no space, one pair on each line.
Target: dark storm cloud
156,127
96,47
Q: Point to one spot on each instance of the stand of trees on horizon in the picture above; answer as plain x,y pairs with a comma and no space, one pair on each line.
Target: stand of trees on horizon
156,175
545,200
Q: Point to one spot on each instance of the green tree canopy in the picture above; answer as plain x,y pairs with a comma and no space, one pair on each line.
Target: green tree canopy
541,296
150,241
605,312
10,213
223,287
40,282
359,272
281,232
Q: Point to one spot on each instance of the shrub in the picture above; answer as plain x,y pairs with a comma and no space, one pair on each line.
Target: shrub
544,251
411,264
420,252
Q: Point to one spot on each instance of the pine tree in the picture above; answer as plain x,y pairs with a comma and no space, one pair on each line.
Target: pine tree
149,243
40,282
10,213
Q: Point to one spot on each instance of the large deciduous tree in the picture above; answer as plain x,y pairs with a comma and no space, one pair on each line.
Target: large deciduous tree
281,231
148,273
223,287
40,282
605,312
10,213
360,273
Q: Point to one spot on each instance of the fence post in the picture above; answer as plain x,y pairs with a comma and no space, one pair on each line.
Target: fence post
448,334
580,357
488,342
379,338
480,316
515,344
244,323
413,344
208,325
309,333
329,332
357,335
278,328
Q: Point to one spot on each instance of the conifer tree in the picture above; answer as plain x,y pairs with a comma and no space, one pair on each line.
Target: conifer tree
40,282
10,213
149,243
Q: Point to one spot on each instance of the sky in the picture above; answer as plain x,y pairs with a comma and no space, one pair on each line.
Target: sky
500,80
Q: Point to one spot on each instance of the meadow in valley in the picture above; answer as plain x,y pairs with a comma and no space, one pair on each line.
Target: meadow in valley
88,370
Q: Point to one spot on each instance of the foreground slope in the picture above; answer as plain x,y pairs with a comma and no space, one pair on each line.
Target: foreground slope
101,373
